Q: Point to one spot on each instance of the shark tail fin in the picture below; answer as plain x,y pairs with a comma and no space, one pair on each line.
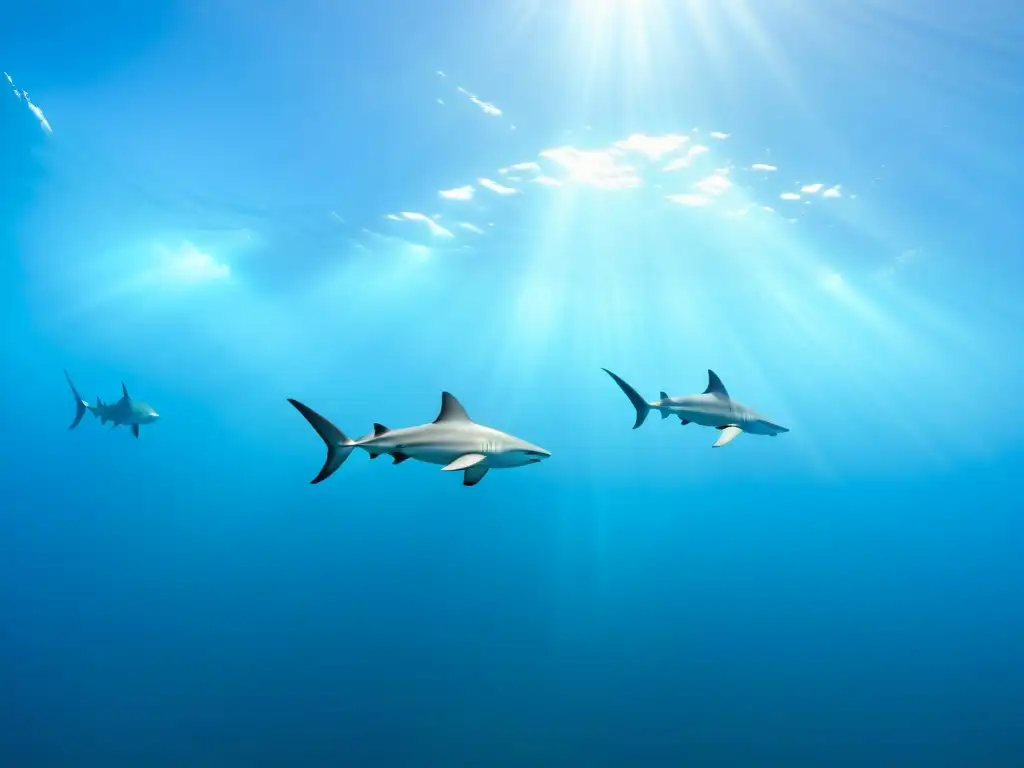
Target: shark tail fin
642,406
80,404
338,445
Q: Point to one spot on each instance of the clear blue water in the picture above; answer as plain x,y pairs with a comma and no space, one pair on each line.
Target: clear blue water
211,206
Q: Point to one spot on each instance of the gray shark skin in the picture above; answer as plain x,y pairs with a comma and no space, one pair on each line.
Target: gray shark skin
453,440
712,408
126,412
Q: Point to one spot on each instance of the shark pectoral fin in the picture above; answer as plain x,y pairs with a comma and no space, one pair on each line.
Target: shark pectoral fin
135,430
464,462
474,475
729,434
399,457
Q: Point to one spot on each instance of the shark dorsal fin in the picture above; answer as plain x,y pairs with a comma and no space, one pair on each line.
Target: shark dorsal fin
451,409
124,391
379,429
715,386
663,395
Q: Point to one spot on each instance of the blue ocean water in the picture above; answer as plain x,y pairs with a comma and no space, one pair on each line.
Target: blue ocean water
360,207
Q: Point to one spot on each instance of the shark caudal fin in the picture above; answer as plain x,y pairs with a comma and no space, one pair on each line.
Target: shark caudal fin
80,404
338,446
642,406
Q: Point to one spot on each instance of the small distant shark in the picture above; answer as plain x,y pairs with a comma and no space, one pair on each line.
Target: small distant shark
125,412
712,408
453,440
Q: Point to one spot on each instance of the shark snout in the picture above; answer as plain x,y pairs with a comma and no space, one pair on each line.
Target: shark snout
535,455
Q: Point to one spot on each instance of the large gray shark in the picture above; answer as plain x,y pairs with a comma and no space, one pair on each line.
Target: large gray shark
125,412
452,440
712,408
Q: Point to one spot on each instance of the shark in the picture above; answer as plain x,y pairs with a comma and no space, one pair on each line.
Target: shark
126,412
453,440
712,408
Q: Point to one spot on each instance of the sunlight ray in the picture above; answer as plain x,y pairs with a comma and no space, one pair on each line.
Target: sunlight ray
742,17
887,333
